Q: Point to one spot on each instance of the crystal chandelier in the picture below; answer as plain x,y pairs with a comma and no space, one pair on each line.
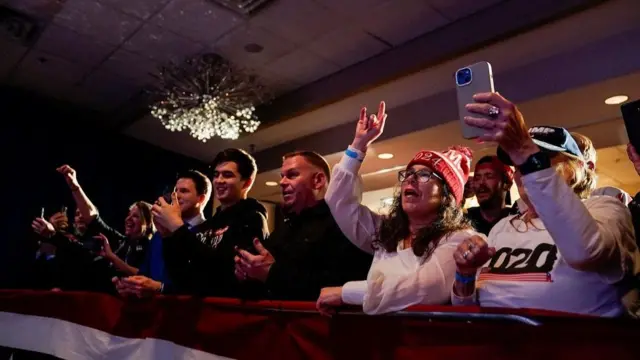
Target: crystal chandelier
208,97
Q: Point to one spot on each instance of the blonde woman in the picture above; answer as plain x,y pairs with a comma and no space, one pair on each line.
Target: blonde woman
565,252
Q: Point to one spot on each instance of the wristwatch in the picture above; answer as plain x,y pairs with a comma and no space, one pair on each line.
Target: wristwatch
535,162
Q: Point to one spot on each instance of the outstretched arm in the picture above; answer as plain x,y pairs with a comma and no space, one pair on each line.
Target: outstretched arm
356,221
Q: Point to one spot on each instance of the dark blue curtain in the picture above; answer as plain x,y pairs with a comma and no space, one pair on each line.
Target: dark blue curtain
37,136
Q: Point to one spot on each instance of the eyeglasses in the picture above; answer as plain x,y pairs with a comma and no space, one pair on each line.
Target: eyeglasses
521,223
422,176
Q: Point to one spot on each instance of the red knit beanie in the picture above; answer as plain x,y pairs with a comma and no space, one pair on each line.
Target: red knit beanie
452,165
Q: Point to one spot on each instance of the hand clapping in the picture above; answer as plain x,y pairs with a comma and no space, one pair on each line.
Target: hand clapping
253,266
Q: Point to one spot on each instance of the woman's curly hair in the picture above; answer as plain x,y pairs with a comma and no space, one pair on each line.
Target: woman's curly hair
395,226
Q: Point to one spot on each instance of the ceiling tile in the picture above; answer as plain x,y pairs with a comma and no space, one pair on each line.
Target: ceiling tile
277,84
12,52
40,8
353,8
456,9
198,20
161,45
347,46
131,66
399,24
305,20
142,9
97,20
302,66
72,46
103,90
46,73
231,46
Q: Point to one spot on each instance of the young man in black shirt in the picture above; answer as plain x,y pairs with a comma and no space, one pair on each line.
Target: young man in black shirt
200,261
491,183
309,251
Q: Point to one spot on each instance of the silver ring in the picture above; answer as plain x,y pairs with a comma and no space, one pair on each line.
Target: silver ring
494,111
465,254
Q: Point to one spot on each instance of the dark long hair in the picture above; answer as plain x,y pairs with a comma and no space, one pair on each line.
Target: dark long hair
395,226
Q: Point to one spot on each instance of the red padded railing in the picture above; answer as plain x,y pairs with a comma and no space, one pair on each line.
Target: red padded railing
294,330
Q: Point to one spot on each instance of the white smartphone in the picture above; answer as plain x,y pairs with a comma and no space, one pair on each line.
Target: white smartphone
471,80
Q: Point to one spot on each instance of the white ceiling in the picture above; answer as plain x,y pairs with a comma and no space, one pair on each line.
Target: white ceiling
99,53
544,50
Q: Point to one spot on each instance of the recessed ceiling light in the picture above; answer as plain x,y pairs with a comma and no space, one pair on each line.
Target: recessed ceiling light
616,100
271,183
385,156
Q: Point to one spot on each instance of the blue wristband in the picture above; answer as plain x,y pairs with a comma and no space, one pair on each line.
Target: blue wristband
352,154
464,278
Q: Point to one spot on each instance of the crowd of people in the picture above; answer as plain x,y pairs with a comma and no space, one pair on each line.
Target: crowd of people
564,245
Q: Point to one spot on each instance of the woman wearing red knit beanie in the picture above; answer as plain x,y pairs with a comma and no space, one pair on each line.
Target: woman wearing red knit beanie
413,246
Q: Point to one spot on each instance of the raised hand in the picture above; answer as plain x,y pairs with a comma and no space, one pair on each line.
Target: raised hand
471,254
506,126
369,127
634,157
167,217
69,176
43,228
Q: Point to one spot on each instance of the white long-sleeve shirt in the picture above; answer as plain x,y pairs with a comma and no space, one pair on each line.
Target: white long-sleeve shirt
573,258
396,280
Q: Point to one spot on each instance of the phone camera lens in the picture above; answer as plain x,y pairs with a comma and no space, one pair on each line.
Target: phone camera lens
463,76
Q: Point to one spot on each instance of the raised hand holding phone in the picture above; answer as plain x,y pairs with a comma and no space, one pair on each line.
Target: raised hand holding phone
43,228
167,215
471,80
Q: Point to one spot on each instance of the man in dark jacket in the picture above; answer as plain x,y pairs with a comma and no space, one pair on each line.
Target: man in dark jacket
309,251
200,260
